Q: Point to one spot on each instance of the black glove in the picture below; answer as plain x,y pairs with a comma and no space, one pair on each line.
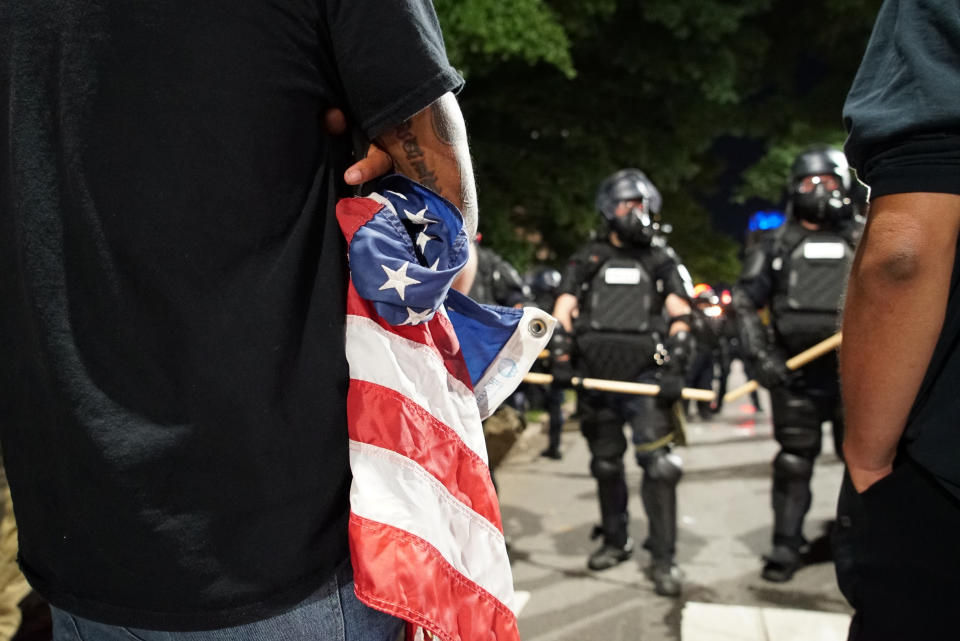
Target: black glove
679,351
561,350
563,373
771,369
671,389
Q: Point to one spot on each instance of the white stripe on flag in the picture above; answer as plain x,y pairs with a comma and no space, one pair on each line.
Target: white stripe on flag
416,371
400,493
506,372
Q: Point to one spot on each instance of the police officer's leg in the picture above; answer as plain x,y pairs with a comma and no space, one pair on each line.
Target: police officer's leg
796,427
554,402
602,425
836,426
662,469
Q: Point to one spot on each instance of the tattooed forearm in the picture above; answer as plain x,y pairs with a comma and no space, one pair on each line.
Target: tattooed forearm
431,148
416,157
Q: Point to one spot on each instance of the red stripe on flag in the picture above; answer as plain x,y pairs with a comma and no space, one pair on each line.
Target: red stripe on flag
399,573
354,213
437,334
383,417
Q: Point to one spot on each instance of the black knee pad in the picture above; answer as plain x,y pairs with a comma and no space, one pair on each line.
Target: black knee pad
792,466
661,465
796,423
800,440
604,469
648,421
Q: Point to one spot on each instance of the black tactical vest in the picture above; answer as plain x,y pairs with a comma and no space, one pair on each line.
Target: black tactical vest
621,319
810,275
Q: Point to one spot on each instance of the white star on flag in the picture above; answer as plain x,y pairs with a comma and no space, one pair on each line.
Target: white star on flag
397,279
423,239
415,318
433,267
418,218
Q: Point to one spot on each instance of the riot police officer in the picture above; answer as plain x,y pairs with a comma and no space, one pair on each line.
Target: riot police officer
623,306
800,271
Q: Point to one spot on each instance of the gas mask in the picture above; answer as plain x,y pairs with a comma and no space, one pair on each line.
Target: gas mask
817,202
634,228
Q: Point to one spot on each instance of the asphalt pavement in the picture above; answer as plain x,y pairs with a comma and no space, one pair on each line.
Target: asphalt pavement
549,508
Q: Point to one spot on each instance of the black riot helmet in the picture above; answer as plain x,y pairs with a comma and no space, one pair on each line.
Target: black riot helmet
545,280
820,186
635,227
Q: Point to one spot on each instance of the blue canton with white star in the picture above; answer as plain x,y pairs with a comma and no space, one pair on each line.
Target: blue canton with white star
406,257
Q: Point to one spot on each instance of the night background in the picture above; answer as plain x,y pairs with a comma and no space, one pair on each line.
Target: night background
711,98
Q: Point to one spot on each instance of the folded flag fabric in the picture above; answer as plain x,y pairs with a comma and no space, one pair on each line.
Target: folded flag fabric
426,364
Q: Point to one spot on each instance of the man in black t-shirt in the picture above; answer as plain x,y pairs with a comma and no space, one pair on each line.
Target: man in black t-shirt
623,306
172,296
896,552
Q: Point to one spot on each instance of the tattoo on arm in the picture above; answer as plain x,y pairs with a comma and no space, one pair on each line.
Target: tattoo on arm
416,157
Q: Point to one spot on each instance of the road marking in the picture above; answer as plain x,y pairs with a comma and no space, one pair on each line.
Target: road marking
717,622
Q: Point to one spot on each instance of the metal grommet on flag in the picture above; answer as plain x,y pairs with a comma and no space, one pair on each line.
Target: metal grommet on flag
537,328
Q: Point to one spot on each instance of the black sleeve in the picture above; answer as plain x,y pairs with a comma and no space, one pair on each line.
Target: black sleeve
672,273
756,280
903,110
390,57
581,266
750,293
925,163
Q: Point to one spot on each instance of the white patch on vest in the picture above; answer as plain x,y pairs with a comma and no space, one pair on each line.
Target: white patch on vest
622,276
832,251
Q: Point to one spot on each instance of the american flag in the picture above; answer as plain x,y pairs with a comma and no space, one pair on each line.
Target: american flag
426,365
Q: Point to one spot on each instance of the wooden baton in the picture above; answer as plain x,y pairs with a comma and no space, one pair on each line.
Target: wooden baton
623,387
810,354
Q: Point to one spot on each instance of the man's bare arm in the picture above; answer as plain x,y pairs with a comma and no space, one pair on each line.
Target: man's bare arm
463,283
430,147
895,305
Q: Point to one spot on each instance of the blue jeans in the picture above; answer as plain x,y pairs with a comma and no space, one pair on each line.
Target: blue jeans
333,613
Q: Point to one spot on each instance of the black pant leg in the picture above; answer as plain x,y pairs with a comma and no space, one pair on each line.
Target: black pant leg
897,550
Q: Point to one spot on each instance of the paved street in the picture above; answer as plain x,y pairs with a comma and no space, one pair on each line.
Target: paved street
549,508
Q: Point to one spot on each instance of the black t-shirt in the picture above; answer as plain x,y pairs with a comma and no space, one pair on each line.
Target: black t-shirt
903,117
172,287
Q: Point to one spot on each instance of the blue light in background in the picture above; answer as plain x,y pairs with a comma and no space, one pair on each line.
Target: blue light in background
763,220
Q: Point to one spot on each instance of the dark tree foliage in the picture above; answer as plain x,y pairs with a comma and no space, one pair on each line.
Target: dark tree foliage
561,93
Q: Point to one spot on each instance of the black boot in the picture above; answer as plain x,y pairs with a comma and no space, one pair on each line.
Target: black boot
667,578
610,553
658,490
617,546
781,564
791,500
551,453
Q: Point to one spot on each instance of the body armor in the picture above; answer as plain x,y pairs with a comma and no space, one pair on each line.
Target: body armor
811,269
621,323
